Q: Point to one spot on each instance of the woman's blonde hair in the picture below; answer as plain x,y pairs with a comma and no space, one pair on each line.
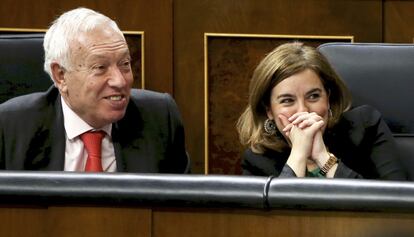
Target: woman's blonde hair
283,62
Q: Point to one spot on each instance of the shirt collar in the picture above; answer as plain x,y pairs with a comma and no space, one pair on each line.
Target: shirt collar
75,126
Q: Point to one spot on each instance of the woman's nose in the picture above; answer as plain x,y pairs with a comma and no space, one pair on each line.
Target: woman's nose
303,107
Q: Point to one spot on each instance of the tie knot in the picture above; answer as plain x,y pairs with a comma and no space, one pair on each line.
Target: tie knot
92,140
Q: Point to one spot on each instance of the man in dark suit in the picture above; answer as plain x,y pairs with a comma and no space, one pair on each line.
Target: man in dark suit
88,59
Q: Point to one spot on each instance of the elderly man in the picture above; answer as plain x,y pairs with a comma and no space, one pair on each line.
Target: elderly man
91,119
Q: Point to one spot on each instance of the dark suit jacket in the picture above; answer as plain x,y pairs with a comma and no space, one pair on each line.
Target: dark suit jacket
361,140
150,137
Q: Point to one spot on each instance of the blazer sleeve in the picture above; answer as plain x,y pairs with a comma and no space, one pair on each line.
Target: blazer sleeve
178,159
270,163
378,140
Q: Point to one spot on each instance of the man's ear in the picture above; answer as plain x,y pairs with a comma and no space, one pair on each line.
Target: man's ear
58,76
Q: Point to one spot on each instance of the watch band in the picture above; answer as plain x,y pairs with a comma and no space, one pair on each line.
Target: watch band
328,165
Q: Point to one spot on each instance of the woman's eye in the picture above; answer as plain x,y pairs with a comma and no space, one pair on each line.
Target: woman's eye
314,96
286,101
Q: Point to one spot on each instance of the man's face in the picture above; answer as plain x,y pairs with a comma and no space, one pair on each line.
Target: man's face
97,84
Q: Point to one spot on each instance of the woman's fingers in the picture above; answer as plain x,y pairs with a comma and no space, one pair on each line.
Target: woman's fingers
298,117
295,116
284,120
308,122
301,120
288,127
305,119
307,132
316,126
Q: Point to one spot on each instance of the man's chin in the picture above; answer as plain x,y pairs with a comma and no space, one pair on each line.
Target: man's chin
110,118
116,117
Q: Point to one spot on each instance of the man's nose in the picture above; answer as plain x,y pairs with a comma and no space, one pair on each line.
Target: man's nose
117,78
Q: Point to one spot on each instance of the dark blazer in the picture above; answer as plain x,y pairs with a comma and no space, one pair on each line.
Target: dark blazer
361,140
150,137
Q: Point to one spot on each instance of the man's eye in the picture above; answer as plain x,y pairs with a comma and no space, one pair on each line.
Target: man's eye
99,67
126,63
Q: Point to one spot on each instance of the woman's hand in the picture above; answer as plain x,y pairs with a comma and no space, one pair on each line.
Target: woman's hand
302,126
300,129
319,152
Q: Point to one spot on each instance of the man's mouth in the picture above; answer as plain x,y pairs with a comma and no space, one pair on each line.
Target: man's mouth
115,97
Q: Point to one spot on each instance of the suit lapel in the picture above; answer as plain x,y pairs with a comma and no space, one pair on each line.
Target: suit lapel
120,163
46,148
130,146
58,139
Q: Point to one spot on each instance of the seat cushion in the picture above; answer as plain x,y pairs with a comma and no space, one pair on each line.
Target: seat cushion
21,65
380,75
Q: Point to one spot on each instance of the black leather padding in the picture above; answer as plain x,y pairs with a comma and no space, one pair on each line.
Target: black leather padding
341,194
211,191
21,65
132,189
381,75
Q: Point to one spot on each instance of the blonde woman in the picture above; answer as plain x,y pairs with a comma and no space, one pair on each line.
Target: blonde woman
298,123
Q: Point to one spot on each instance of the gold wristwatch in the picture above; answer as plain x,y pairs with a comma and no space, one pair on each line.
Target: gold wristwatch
328,165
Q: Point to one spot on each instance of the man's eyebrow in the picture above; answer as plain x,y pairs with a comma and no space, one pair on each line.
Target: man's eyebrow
97,56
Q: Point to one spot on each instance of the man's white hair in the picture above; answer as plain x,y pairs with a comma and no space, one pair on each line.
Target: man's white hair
67,28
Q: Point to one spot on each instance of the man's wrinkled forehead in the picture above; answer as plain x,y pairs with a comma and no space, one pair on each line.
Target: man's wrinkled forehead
96,36
86,41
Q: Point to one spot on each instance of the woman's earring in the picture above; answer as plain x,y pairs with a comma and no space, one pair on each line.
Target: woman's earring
330,113
270,127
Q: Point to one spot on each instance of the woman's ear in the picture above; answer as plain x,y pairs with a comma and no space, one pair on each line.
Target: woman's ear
269,113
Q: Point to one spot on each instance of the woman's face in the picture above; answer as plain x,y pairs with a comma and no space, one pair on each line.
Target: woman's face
301,92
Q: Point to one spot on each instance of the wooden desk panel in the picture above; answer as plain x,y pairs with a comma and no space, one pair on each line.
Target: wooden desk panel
201,222
23,221
71,221
217,223
102,221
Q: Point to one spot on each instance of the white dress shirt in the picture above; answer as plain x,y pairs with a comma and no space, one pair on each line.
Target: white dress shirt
75,154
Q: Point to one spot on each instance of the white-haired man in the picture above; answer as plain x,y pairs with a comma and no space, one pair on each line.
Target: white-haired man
88,59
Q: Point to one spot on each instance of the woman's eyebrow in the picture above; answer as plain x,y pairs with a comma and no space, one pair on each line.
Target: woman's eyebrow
314,90
284,95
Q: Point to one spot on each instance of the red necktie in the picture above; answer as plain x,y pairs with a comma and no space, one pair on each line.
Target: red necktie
92,142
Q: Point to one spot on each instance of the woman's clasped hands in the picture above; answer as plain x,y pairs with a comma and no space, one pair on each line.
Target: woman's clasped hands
304,132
